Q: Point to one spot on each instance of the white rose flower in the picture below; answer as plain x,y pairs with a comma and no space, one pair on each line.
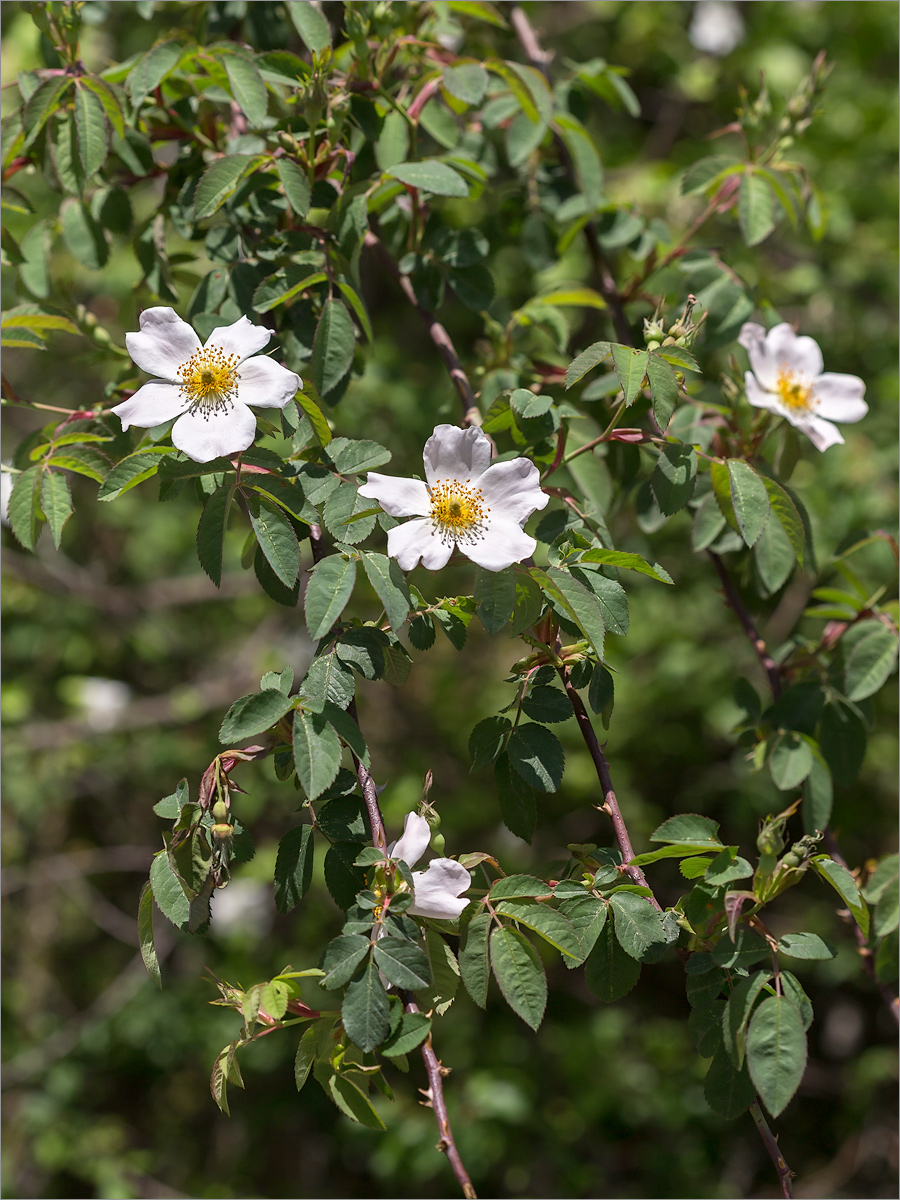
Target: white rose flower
464,503
787,379
206,387
436,890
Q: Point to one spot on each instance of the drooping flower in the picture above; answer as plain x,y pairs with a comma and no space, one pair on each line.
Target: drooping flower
787,379
464,503
208,388
436,890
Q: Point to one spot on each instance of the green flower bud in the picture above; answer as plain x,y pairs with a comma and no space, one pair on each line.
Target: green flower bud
220,811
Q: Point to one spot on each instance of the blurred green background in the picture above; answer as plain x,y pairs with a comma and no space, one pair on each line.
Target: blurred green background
120,659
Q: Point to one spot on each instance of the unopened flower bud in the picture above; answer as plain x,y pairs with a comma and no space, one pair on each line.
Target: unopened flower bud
220,811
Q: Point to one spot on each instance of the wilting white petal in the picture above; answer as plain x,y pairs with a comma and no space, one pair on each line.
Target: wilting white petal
800,354
418,539
501,544
163,344
266,384
512,489
398,497
437,890
454,453
243,338
216,434
152,404
840,397
413,842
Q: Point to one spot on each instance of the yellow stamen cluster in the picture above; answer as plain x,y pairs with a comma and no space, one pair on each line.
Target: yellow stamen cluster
457,510
794,390
209,380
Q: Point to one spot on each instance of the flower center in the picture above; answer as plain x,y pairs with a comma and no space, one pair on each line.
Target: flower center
457,511
209,380
795,392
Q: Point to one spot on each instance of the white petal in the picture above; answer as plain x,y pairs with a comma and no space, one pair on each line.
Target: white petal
243,338
266,384
414,841
512,489
759,397
437,889
753,338
223,433
820,432
840,397
417,539
454,453
163,344
398,497
800,354
153,404
501,544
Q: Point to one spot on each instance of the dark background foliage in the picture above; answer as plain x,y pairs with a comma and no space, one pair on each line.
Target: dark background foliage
105,1078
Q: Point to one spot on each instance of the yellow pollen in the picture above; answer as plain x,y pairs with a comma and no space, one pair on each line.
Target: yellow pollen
209,380
458,512
794,391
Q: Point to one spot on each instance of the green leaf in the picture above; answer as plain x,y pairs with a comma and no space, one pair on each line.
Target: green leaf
749,498
688,827
495,596
726,867
295,184
538,757
41,105
736,1016
869,664
284,285
601,691
728,1091
628,561
82,235
790,762
519,887
806,945
708,172
390,586
586,160
487,740
631,367
552,926
211,531
145,933
663,389
129,473
883,877
756,209
547,705
219,181
109,96
151,69
517,799
413,1029
24,511
674,477
168,892
519,974
306,1056
785,510
247,86
430,175
467,82
776,1052
638,925
774,557
317,752
444,973
705,1025
313,27
473,957
842,737
91,130
611,598
353,1102
609,972
846,887
479,10
403,963
330,587
253,714
293,867
586,361
576,601
342,956
56,501
333,347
